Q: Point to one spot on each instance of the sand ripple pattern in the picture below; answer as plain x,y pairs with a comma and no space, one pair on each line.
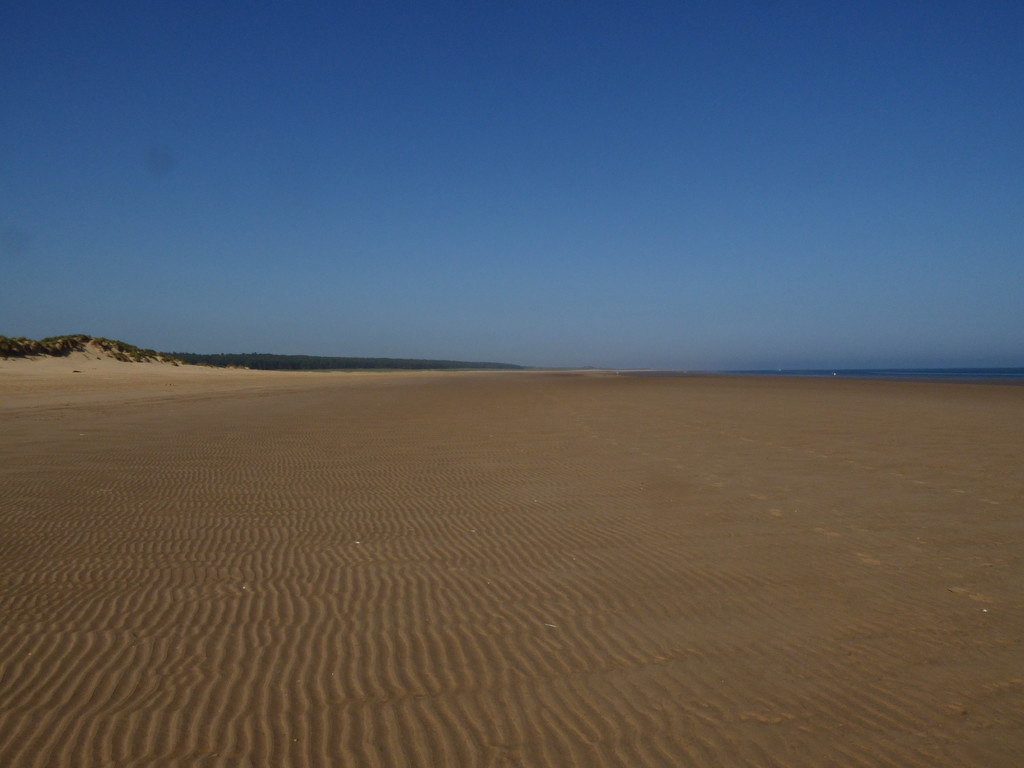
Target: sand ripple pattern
516,570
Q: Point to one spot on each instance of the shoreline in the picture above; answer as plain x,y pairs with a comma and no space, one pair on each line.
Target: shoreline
910,375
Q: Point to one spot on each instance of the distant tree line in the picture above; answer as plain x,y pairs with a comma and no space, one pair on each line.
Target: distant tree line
266,362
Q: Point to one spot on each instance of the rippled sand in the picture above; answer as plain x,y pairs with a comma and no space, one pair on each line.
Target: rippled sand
206,568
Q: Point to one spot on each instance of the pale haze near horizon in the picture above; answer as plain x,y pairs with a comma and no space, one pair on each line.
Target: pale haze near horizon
667,185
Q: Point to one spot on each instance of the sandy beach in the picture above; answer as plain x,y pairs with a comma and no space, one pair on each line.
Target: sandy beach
272,570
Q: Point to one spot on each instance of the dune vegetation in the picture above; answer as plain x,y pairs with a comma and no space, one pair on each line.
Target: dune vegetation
62,346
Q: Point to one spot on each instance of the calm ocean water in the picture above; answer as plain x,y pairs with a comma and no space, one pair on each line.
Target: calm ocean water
1006,375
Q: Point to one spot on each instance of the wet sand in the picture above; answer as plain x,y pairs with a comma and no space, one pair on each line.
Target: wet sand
205,568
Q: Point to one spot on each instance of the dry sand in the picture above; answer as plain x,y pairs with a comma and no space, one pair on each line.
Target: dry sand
210,568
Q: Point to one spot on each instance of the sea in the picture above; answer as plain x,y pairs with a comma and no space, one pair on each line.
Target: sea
993,375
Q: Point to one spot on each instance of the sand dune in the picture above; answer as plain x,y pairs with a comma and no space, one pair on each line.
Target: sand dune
210,568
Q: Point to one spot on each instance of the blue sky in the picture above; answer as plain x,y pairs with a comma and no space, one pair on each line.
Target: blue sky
732,184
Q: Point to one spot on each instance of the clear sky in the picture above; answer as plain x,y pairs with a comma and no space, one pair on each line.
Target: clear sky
727,184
